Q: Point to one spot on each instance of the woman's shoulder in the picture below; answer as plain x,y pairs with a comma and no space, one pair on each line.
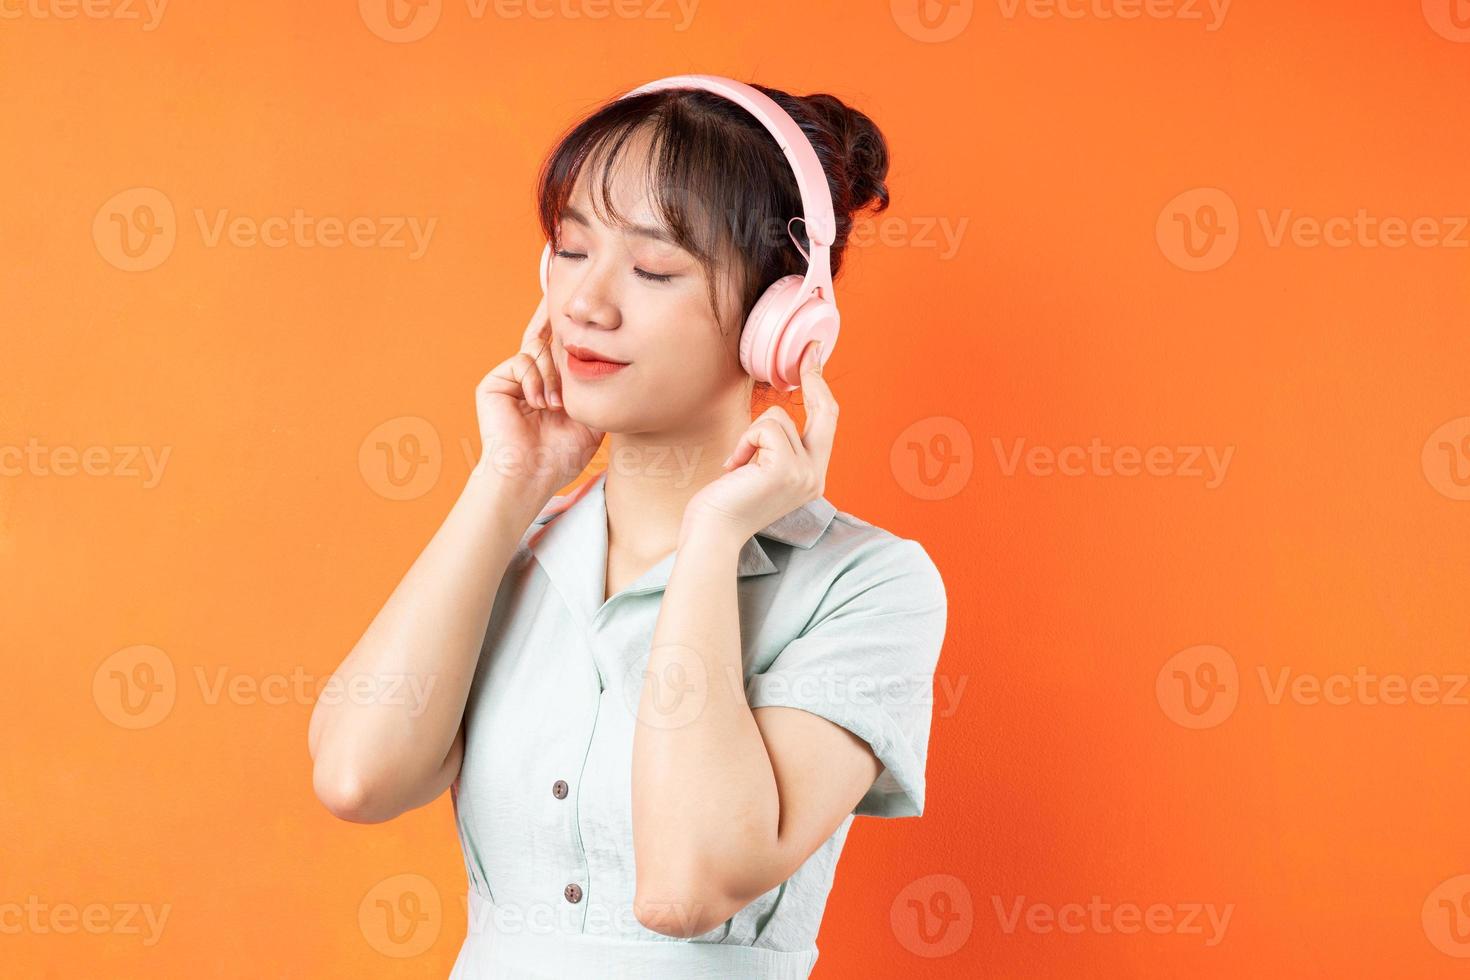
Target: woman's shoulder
862,555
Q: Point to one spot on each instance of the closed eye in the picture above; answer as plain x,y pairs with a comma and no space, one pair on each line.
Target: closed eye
649,276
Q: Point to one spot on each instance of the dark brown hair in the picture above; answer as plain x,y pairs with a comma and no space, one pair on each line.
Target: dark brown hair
719,182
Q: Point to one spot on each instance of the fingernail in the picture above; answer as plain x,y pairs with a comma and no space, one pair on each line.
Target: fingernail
556,398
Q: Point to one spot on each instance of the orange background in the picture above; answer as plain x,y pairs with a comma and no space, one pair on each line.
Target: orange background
1335,541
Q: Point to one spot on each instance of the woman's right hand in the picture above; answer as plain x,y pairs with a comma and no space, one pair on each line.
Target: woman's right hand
526,436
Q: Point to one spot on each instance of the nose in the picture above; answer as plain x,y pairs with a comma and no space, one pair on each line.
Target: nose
591,300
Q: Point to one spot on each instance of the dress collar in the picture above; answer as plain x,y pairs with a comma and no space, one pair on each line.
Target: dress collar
573,547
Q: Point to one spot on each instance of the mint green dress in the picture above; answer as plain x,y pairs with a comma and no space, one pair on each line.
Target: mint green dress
837,617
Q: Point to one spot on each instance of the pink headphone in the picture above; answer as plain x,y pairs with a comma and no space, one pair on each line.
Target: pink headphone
794,310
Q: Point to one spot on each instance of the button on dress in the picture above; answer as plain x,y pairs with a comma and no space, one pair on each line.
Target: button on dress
838,617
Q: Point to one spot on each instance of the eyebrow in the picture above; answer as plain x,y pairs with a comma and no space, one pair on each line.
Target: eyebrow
642,231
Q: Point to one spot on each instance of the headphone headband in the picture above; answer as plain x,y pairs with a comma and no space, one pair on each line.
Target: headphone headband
811,179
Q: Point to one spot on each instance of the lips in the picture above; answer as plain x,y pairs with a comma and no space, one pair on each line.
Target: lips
588,354
588,365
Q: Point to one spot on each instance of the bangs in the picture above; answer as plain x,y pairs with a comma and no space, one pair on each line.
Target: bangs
696,180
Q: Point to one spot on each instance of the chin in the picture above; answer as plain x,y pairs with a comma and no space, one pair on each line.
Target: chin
622,414
598,410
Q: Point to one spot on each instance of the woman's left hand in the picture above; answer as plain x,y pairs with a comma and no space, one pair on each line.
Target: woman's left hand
773,470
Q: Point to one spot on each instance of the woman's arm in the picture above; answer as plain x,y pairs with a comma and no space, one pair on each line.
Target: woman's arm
727,802
389,737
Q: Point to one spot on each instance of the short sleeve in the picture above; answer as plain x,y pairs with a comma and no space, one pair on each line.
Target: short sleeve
866,662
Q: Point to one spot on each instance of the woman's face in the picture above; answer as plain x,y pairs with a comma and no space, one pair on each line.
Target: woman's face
631,295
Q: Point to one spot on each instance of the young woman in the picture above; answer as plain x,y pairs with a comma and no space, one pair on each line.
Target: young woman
659,700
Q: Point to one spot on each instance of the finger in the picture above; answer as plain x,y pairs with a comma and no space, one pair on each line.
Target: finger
783,418
540,333
821,409
532,382
764,433
550,377
517,376
538,329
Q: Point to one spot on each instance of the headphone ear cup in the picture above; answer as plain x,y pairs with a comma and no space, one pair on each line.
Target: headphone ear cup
818,320
545,266
763,328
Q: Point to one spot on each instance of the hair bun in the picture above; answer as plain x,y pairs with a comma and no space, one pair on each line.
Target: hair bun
859,150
